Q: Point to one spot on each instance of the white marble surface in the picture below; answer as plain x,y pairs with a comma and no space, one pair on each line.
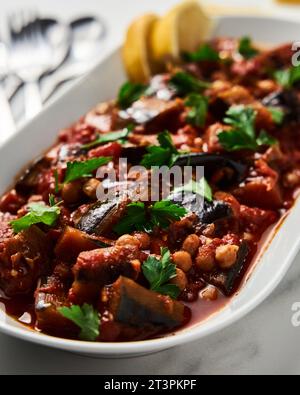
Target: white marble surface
265,342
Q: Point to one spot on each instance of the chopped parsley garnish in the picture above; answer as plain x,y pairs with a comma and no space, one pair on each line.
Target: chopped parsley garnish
52,201
140,217
243,134
288,78
199,107
246,48
204,54
164,212
185,83
165,154
77,170
86,318
109,138
38,213
159,272
277,115
135,219
129,93
201,188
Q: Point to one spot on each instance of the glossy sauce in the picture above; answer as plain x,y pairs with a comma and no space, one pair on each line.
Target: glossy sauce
21,308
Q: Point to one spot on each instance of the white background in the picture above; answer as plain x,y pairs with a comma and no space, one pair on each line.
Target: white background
264,342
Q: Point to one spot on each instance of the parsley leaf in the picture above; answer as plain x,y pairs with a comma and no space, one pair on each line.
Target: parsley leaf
108,138
164,212
185,83
52,201
139,217
204,53
277,115
289,77
201,188
38,213
129,93
165,141
164,155
243,134
86,318
235,140
160,272
135,219
77,170
246,48
265,139
199,107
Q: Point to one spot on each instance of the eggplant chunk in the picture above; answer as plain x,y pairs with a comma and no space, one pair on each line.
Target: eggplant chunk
23,259
134,154
68,152
49,297
207,212
134,305
228,281
288,101
29,180
101,217
72,242
215,211
155,114
212,163
95,269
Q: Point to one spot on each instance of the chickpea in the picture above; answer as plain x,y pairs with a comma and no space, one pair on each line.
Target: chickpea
292,179
205,260
198,142
90,188
209,230
226,255
248,236
210,293
72,192
180,280
266,86
183,260
191,244
128,240
144,239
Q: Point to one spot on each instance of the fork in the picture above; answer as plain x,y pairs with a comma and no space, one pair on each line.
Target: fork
30,57
7,125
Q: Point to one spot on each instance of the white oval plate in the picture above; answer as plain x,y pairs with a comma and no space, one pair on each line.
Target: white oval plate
102,84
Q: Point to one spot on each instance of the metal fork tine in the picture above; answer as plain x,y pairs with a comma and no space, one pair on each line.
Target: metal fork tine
30,54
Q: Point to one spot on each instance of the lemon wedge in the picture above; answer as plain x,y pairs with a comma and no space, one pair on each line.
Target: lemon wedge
181,30
136,48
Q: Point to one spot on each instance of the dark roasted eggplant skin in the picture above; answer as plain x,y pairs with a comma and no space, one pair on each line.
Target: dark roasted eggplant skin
212,163
229,281
29,180
131,304
101,217
68,152
207,212
215,211
134,154
289,102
